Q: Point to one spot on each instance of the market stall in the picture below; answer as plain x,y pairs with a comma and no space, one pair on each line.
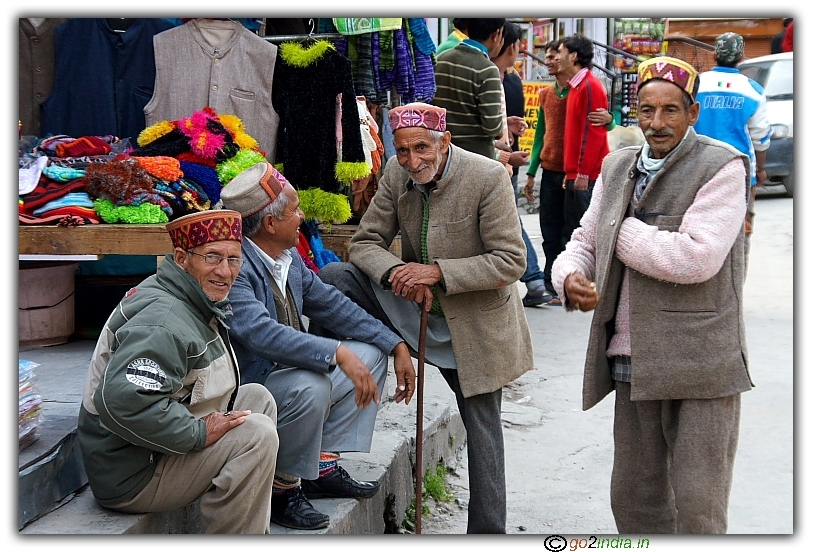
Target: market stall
121,149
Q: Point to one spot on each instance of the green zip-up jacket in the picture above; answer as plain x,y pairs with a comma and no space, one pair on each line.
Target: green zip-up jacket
162,362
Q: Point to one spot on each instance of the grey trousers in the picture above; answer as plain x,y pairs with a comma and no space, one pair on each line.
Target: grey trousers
486,454
480,413
233,476
318,412
673,464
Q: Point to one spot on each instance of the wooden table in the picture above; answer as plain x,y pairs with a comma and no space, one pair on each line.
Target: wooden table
95,239
138,239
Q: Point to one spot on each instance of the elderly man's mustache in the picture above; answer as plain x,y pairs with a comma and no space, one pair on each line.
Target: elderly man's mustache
661,132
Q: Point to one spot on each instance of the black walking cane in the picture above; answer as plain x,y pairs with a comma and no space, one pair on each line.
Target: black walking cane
419,428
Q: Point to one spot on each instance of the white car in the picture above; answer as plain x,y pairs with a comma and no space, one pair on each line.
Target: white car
775,74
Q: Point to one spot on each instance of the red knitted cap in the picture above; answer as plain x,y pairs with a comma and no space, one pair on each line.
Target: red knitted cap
206,226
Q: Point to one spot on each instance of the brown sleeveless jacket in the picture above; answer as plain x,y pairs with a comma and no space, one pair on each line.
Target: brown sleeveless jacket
688,341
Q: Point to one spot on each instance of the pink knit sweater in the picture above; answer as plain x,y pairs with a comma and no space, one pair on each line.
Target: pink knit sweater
691,255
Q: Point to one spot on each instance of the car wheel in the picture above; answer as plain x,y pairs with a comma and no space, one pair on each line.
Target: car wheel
788,182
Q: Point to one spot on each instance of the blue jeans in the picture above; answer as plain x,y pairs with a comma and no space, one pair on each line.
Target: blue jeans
532,271
576,203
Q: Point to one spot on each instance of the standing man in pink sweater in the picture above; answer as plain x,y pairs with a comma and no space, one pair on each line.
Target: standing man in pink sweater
660,258
585,143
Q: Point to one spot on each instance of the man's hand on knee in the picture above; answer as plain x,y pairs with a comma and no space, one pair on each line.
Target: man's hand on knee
218,423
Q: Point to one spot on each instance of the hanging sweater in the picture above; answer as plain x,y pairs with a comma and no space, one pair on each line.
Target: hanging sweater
103,78
310,80
36,67
219,64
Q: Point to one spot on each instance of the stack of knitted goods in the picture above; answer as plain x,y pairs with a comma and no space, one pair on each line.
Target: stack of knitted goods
142,190
212,149
52,188
178,168
30,404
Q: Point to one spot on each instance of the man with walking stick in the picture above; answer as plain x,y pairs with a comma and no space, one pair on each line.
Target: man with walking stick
462,255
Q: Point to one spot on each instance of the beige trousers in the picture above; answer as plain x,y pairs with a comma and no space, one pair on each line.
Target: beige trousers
232,477
673,465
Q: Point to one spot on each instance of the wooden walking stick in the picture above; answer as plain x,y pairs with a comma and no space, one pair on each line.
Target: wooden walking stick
419,424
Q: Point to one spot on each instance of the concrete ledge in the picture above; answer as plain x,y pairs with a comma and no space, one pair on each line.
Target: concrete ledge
390,462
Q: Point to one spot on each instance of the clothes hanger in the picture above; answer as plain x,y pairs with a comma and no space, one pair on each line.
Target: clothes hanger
311,38
120,24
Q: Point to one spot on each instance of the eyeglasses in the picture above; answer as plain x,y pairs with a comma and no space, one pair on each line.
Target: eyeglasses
212,259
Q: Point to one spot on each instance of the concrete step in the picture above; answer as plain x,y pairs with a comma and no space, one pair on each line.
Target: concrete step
390,462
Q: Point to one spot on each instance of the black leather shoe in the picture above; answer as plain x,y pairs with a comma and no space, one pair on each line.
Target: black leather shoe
339,484
539,296
292,509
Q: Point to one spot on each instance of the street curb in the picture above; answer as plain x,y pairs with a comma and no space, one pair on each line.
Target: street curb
390,462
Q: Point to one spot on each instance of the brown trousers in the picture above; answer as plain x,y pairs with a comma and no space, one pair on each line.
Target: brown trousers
232,477
673,464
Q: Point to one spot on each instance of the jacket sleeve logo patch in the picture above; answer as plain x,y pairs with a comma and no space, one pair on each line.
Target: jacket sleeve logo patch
146,373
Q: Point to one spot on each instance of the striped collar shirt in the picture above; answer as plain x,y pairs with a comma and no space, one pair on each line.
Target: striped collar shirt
578,77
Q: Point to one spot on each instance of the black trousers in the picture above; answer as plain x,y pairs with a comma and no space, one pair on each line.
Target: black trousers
551,219
576,203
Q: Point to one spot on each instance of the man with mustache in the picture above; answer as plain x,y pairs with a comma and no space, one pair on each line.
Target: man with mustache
659,257
461,256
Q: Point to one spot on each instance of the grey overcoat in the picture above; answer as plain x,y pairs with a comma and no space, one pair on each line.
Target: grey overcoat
474,235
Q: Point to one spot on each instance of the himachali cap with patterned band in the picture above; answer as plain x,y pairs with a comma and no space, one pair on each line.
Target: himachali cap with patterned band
205,226
253,189
418,114
670,69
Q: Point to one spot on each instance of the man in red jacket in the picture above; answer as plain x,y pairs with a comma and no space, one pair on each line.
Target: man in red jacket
585,144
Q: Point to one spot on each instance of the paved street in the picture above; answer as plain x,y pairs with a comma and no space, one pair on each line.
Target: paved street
559,458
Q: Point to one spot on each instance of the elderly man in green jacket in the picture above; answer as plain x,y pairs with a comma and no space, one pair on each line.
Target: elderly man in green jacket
462,254
164,420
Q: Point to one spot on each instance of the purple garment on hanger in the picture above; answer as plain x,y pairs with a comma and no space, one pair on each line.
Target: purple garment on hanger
425,86
375,47
341,45
404,69
386,77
